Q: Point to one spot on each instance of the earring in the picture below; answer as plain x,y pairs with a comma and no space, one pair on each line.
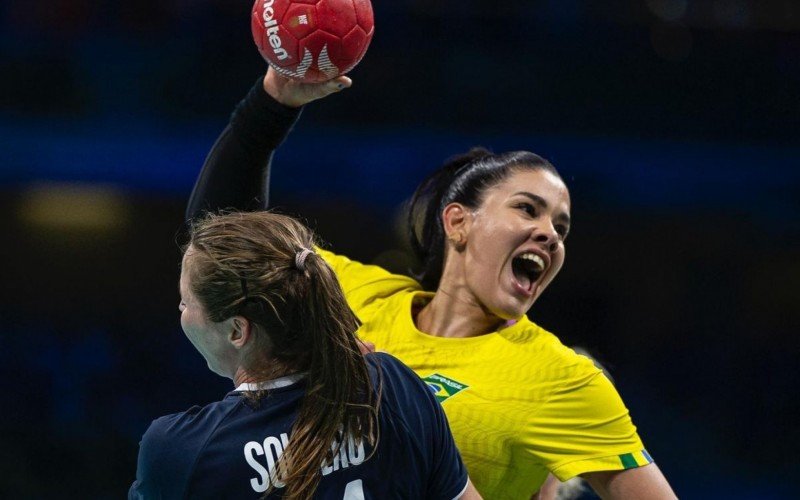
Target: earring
457,239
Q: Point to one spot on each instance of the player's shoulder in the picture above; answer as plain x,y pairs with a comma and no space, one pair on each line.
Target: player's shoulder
553,358
393,365
170,446
188,429
354,273
409,412
391,372
400,388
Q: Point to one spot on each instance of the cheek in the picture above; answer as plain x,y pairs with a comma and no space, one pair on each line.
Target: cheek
491,242
185,323
557,263
189,324
562,255
489,247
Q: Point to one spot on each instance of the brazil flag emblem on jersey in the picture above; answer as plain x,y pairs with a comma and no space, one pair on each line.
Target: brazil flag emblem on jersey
443,387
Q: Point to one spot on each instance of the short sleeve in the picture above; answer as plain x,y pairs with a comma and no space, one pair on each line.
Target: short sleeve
162,470
150,471
585,427
363,284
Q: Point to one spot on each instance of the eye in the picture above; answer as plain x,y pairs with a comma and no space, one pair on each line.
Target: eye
527,208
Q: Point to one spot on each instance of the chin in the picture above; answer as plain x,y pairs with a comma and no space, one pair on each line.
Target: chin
510,312
215,370
509,306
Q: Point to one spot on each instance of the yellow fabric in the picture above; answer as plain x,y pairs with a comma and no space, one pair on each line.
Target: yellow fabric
531,405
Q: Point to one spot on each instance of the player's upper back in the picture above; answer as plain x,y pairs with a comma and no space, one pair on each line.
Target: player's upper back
229,449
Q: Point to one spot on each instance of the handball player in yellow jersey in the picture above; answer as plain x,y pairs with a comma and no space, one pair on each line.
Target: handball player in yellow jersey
490,232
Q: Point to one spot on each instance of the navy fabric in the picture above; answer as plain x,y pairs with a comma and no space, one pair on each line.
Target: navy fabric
223,450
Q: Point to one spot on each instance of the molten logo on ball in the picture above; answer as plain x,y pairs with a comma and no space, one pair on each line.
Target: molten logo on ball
312,40
271,30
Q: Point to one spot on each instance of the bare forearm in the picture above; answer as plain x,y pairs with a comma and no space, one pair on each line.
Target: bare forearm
645,483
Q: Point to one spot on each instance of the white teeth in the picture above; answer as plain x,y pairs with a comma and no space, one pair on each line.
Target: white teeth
533,257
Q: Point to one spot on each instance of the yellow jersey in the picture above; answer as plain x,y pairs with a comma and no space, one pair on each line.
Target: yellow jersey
519,402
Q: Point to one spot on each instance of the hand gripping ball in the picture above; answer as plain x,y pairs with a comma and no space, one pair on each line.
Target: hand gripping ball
312,40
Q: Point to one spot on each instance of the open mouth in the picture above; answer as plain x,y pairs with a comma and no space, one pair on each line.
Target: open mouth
527,268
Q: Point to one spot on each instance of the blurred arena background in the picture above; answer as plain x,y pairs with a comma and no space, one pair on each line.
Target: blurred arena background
676,124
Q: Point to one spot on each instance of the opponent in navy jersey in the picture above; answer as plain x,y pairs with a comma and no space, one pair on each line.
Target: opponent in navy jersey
227,449
263,309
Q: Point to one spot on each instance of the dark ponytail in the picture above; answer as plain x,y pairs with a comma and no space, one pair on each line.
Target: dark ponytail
262,266
462,179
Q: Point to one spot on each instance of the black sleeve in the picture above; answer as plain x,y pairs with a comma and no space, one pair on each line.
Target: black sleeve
236,171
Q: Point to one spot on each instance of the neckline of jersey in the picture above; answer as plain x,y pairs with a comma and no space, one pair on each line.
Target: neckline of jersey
506,332
267,385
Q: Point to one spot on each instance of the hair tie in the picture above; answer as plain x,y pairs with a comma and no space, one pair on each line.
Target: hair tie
300,258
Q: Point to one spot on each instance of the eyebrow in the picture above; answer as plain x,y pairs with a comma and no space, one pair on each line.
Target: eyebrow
562,217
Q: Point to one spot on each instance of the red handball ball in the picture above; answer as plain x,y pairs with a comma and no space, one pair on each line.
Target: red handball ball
312,40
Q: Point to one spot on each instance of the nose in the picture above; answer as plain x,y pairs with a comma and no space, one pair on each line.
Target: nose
547,236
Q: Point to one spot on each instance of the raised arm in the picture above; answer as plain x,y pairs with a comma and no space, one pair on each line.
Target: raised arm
236,171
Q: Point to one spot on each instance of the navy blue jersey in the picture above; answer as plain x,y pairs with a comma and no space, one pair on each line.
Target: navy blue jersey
228,449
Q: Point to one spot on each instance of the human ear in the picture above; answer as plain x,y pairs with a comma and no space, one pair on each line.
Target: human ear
455,219
240,332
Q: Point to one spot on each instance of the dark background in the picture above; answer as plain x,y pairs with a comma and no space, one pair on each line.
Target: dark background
674,123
